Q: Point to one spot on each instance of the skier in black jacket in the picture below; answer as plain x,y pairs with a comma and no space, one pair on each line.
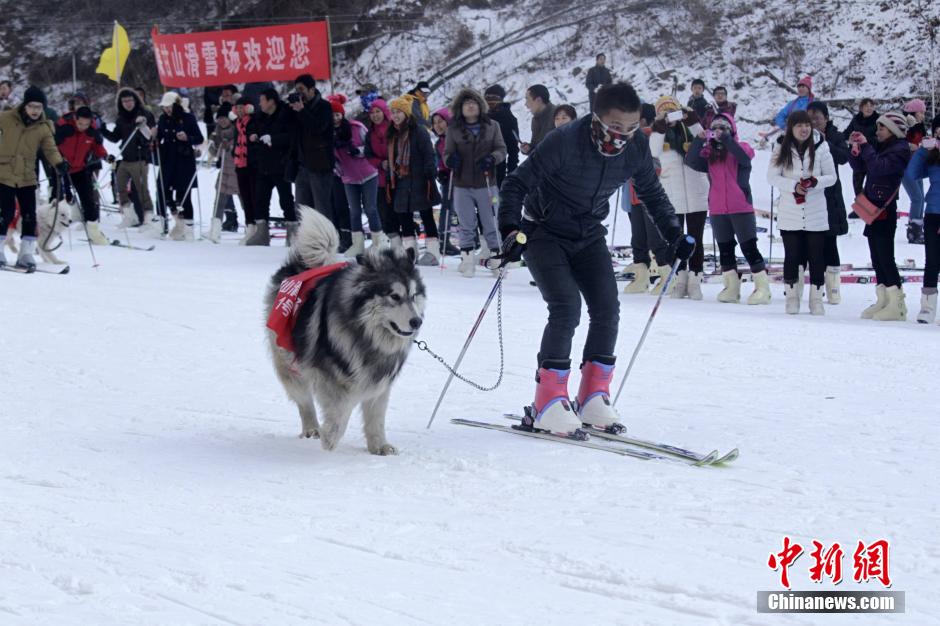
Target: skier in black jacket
500,112
558,199
597,77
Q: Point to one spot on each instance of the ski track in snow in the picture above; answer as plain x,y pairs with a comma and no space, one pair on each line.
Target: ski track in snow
150,470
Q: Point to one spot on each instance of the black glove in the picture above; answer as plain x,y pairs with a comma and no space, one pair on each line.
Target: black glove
354,151
62,168
685,246
110,158
67,191
510,250
660,126
486,163
453,162
691,118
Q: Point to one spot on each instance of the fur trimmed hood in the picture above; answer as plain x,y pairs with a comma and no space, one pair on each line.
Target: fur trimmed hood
456,105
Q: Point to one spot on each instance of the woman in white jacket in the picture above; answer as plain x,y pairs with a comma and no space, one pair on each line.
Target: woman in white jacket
801,168
687,189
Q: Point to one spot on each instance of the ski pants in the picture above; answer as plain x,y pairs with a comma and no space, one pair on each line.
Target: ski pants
315,189
915,191
26,196
802,246
694,224
362,197
83,187
470,202
931,250
880,236
645,237
246,189
740,226
264,186
565,270
136,173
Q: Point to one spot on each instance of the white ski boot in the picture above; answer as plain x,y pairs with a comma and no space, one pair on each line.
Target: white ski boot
816,300
732,291
215,231
25,259
129,216
358,245
928,306
641,278
552,410
593,404
681,289
95,235
761,293
880,303
695,285
833,282
468,264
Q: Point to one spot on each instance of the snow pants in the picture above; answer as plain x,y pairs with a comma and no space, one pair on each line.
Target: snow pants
26,196
362,197
931,250
565,270
645,238
880,236
804,246
468,203
743,226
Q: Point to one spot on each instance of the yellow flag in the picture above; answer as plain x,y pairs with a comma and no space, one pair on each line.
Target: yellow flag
113,58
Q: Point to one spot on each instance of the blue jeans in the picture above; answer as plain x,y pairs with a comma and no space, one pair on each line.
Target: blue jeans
362,198
915,190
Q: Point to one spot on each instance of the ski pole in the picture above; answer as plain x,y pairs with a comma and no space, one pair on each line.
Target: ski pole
81,210
466,345
613,234
450,208
199,204
161,193
649,322
771,229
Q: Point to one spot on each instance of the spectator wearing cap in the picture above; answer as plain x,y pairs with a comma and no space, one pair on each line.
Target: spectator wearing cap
539,103
178,135
313,147
420,110
884,165
82,146
501,113
368,94
915,115
597,77
804,90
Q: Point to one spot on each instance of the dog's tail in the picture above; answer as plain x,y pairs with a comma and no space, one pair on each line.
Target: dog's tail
316,241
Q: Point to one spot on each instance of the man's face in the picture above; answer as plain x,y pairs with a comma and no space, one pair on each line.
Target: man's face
697,90
82,124
4,91
304,92
492,103
128,103
227,96
601,60
720,96
621,121
867,109
33,110
819,120
267,106
535,105
223,122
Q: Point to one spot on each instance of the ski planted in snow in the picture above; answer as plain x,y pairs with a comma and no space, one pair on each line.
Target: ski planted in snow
695,458
34,270
121,244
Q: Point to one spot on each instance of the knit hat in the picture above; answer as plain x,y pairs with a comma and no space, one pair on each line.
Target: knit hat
337,100
382,106
34,94
667,103
84,112
444,112
495,92
915,106
169,99
224,109
894,122
401,104
808,81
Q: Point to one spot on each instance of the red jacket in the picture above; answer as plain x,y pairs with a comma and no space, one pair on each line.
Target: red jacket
76,146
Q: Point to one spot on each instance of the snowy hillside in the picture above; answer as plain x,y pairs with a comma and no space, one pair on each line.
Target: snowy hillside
150,472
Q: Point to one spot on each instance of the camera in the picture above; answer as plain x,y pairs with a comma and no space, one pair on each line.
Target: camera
293,97
674,116
709,135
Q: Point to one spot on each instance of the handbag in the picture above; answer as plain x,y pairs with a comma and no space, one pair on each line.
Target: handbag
867,210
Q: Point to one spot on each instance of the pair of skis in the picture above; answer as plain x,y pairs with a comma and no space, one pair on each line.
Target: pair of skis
630,446
35,270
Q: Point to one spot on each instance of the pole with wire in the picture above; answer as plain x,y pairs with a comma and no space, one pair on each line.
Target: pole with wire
91,248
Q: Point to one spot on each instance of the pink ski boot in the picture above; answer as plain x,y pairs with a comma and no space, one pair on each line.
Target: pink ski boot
552,409
593,404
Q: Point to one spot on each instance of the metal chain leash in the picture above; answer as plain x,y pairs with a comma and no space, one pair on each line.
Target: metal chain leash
423,346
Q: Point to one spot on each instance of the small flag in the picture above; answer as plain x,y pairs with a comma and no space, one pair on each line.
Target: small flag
113,58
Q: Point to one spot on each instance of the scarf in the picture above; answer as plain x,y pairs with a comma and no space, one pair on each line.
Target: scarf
241,142
401,161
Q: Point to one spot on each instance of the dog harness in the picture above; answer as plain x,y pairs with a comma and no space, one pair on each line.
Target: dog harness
290,297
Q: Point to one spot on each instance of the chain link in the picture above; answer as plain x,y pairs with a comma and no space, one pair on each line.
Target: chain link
423,346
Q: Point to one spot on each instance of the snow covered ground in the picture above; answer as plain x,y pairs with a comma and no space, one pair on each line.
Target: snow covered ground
150,471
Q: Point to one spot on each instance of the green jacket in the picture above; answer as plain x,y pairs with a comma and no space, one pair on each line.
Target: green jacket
20,145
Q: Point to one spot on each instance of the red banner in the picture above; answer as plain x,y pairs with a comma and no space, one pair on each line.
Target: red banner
244,55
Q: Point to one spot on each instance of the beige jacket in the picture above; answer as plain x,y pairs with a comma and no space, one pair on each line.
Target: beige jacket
20,145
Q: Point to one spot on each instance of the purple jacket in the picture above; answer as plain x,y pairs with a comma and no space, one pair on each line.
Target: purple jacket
884,165
730,186
354,170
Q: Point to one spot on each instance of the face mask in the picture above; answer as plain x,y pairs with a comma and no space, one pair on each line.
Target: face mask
609,142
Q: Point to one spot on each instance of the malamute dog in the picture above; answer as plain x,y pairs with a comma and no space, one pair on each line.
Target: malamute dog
351,332
50,226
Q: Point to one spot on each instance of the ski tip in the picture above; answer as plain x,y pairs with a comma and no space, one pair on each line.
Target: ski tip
67,269
708,459
731,456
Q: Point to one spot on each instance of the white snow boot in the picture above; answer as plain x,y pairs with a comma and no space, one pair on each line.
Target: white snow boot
261,236
151,226
358,245
593,404
928,306
411,248
215,231
800,281
732,291
695,285
641,278
468,263
95,235
894,309
816,300
432,246
833,283
662,272
882,300
793,299
761,293
552,410
680,287
25,259
379,240
249,233
3,243
395,243
290,229
178,232
129,216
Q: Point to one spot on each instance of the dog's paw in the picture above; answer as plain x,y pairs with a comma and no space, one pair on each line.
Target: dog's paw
310,433
328,438
386,449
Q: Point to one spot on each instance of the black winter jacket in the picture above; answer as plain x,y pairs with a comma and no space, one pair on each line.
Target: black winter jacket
566,185
313,142
838,223
509,126
865,125
138,149
272,160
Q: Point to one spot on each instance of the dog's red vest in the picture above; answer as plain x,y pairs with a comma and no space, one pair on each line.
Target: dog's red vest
289,299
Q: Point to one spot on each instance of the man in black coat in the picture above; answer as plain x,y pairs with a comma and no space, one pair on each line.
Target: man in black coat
270,133
508,126
553,206
313,146
597,77
865,122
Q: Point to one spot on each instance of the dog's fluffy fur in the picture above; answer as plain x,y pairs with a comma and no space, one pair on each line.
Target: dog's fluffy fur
352,335
51,225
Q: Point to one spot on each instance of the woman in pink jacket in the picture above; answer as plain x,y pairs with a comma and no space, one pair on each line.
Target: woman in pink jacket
728,164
